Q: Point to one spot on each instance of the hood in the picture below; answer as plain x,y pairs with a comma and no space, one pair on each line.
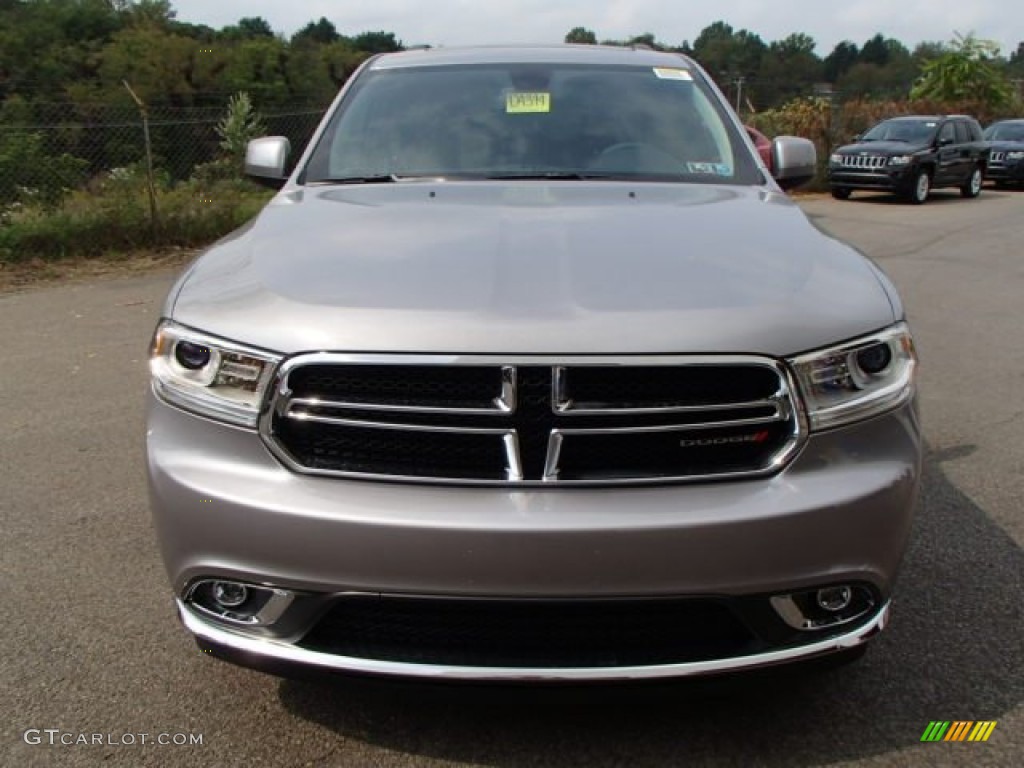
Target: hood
533,268
1005,146
882,148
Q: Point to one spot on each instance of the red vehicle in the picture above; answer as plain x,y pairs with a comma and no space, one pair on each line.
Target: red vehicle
762,144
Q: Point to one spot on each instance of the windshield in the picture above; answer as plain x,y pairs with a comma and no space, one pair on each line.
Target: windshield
522,121
908,131
1005,132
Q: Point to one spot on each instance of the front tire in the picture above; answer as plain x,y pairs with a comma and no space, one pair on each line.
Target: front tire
972,187
841,193
920,188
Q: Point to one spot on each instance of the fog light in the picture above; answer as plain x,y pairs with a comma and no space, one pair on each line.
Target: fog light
834,599
229,594
825,607
238,603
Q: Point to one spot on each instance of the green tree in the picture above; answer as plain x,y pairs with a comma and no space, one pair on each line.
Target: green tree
376,42
308,73
1015,67
152,12
257,66
647,38
248,28
875,51
842,58
928,50
240,125
581,36
789,69
967,71
341,60
322,31
885,71
28,173
156,63
726,53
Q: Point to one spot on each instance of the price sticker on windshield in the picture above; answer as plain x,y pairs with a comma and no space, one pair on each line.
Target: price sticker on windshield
672,73
522,103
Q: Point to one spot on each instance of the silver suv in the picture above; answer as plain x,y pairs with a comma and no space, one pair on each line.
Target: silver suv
530,371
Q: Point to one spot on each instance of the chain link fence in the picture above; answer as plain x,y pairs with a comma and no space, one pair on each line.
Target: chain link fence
64,176
46,154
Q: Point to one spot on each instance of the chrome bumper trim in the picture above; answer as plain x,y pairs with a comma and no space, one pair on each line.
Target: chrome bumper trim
272,650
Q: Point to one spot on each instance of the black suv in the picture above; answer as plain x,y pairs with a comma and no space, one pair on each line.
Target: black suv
1006,152
912,155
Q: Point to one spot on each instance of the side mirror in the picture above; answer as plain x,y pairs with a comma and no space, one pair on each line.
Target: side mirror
794,161
266,159
945,142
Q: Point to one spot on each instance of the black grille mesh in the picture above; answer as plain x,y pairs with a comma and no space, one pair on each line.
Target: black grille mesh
667,386
437,386
530,633
392,452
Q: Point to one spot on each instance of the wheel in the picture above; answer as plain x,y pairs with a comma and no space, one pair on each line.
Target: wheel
921,187
972,187
841,193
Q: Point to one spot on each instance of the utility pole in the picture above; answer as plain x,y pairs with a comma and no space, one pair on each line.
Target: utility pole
739,91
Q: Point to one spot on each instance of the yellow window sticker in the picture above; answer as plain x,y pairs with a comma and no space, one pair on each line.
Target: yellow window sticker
672,73
522,103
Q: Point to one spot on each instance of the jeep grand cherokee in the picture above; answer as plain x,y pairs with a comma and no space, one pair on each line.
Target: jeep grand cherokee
911,156
531,371
1005,140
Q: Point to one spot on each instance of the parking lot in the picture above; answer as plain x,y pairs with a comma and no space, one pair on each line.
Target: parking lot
92,645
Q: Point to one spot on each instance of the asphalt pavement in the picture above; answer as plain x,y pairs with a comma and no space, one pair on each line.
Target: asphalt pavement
93,650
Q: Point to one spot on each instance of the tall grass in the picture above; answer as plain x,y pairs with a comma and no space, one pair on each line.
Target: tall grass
112,216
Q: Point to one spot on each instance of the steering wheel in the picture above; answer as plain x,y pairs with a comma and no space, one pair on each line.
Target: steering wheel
636,157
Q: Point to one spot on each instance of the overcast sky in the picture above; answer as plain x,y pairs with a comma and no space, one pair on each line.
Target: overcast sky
468,22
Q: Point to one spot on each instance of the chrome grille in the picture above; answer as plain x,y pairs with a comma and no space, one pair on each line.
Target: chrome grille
997,157
864,161
525,421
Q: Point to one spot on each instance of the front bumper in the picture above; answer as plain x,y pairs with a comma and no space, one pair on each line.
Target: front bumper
287,659
1009,172
898,179
224,507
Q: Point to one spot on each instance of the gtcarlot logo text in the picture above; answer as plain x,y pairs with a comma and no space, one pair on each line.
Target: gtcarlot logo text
55,737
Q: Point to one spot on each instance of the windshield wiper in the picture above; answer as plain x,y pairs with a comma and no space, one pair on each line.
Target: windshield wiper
548,176
376,178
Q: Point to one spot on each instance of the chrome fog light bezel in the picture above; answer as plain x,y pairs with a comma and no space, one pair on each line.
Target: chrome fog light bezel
266,605
802,610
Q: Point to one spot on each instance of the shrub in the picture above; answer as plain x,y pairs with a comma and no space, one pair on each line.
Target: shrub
113,217
28,175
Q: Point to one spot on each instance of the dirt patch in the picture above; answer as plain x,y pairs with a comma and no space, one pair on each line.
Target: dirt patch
33,273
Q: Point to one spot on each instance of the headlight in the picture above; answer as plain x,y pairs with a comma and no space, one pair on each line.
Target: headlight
209,376
859,379
901,160
837,159
1015,155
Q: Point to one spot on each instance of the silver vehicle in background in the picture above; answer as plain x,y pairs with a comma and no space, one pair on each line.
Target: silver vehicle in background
531,371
